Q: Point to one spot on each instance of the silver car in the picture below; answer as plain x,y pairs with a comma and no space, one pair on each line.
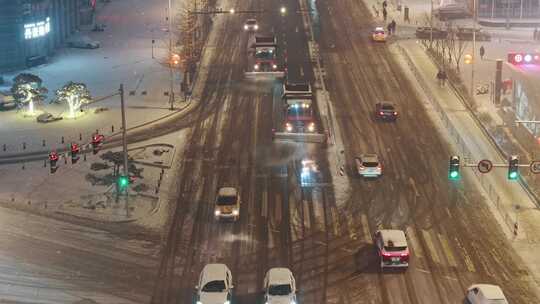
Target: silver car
82,42
368,165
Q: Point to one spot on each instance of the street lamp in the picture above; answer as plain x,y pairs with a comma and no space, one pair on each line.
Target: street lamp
283,10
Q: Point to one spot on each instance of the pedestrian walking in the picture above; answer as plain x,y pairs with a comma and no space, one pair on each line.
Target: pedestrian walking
444,77
393,26
384,4
439,78
482,52
384,13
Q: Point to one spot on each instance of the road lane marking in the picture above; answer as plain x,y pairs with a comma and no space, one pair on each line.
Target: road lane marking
431,247
307,217
264,208
446,248
277,208
350,226
418,252
365,228
335,221
466,257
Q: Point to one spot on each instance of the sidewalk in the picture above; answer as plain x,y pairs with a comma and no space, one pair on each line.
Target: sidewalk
508,198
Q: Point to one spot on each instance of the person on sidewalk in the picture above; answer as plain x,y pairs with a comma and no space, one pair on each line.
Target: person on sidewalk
384,13
443,77
384,4
393,26
439,78
482,52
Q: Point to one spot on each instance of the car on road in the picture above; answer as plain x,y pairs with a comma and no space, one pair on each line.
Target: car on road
392,248
227,205
215,285
47,117
82,42
309,173
485,294
386,111
378,34
251,25
279,286
368,165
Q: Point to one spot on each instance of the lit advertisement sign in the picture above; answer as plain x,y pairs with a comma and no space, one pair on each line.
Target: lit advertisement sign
524,58
37,29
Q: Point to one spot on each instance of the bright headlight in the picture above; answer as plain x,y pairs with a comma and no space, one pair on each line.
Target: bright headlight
229,302
256,67
274,66
245,27
256,27
288,127
199,302
235,212
217,212
293,302
311,127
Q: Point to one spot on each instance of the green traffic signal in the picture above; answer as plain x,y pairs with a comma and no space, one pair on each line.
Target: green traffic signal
513,167
453,168
123,182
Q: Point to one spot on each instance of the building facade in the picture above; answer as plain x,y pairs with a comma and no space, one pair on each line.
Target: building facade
511,9
31,30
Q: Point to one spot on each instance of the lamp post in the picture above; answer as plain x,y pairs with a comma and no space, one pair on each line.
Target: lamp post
473,54
171,76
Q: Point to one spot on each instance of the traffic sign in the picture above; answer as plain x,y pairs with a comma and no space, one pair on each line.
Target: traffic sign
485,165
535,166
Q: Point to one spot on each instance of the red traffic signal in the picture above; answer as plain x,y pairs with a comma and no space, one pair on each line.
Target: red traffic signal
518,58
97,138
53,156
75,148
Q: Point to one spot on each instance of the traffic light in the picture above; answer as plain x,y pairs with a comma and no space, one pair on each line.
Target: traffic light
53,158
453,168
122,183
513,167
75,149
97,142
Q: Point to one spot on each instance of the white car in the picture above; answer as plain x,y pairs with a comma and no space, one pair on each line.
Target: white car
215,285
485,294
368,165
279,287
83,42
227,205
392,248
251,25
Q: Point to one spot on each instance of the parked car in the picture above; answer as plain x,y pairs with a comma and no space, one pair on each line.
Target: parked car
47,117
83,42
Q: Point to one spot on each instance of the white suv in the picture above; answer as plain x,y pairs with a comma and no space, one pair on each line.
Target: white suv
279,286
215,285
485,294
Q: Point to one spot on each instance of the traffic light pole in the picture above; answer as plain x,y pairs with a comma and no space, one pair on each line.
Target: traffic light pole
124,143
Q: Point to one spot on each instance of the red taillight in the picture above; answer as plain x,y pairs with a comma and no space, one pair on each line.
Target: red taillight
395,113
381,113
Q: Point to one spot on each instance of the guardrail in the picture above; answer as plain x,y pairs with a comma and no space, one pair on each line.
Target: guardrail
460,142
300,137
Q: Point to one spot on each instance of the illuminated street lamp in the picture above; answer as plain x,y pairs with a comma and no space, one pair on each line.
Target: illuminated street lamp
283,10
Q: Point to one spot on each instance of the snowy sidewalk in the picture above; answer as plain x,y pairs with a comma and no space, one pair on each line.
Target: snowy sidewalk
509,199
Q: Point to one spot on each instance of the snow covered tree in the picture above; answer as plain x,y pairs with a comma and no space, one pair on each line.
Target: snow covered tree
75,95
26,89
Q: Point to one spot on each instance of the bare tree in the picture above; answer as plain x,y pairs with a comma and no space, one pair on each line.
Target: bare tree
456,46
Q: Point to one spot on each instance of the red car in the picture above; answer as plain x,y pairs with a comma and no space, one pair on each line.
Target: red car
392,248
385,111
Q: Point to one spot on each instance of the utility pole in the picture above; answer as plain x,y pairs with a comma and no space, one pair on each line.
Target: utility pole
124,143
171,76
473,55
431,26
